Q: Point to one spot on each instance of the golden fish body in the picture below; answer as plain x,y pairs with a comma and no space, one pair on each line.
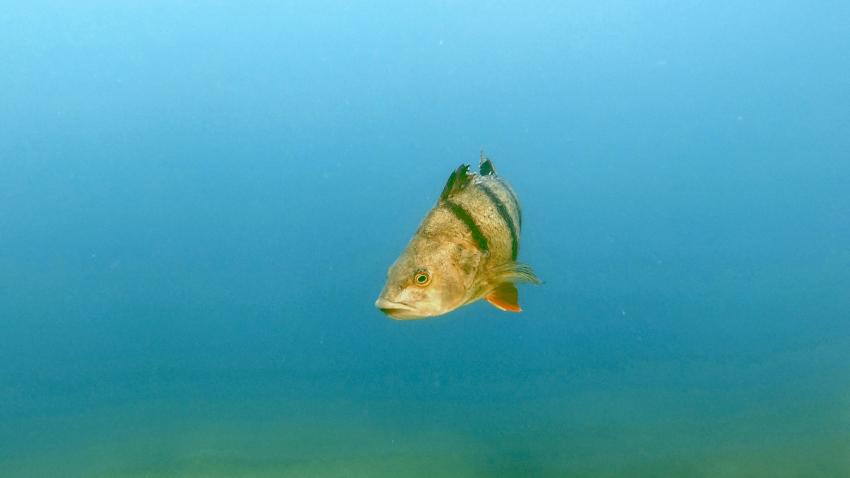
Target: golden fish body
464,250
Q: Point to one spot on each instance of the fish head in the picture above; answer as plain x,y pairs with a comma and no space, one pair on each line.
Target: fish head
427,280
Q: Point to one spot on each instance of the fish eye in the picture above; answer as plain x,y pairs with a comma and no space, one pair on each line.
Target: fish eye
421,278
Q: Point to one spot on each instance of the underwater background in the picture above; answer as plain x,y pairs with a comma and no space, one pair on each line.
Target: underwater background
199,201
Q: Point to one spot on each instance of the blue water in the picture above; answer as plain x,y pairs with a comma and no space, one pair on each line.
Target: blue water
199,202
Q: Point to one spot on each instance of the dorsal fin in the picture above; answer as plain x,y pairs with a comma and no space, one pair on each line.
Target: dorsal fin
485,165
458,180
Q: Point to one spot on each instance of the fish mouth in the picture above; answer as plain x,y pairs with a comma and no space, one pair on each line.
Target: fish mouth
396,310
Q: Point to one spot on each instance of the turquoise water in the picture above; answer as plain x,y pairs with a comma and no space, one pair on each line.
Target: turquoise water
199,202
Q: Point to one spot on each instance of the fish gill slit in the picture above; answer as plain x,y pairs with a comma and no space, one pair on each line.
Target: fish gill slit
464,217
506,217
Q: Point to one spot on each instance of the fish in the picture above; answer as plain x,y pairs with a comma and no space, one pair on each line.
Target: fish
464,250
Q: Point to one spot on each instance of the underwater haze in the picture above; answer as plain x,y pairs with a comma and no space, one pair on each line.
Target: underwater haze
199,202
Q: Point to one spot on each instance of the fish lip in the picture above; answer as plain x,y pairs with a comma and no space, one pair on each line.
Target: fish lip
396,310
382,303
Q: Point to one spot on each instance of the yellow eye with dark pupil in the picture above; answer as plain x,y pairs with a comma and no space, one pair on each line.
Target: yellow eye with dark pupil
421,278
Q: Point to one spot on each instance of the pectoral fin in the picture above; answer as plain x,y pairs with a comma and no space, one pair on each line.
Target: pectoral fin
512,272
505,297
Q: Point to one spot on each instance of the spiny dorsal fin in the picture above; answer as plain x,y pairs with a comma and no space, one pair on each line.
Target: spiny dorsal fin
505,297
458,180
485,166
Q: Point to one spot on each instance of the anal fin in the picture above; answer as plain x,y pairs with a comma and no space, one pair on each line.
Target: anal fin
505,297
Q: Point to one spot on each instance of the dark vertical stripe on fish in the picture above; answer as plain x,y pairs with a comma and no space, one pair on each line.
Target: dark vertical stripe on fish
465,218
506,216
515,200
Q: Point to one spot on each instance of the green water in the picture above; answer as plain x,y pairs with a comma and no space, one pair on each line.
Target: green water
643,419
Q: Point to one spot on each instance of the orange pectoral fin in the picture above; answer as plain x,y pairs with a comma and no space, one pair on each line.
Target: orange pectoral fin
505,297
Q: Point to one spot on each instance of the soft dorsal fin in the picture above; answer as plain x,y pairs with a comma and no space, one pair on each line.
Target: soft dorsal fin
458,180
505,297
485,166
